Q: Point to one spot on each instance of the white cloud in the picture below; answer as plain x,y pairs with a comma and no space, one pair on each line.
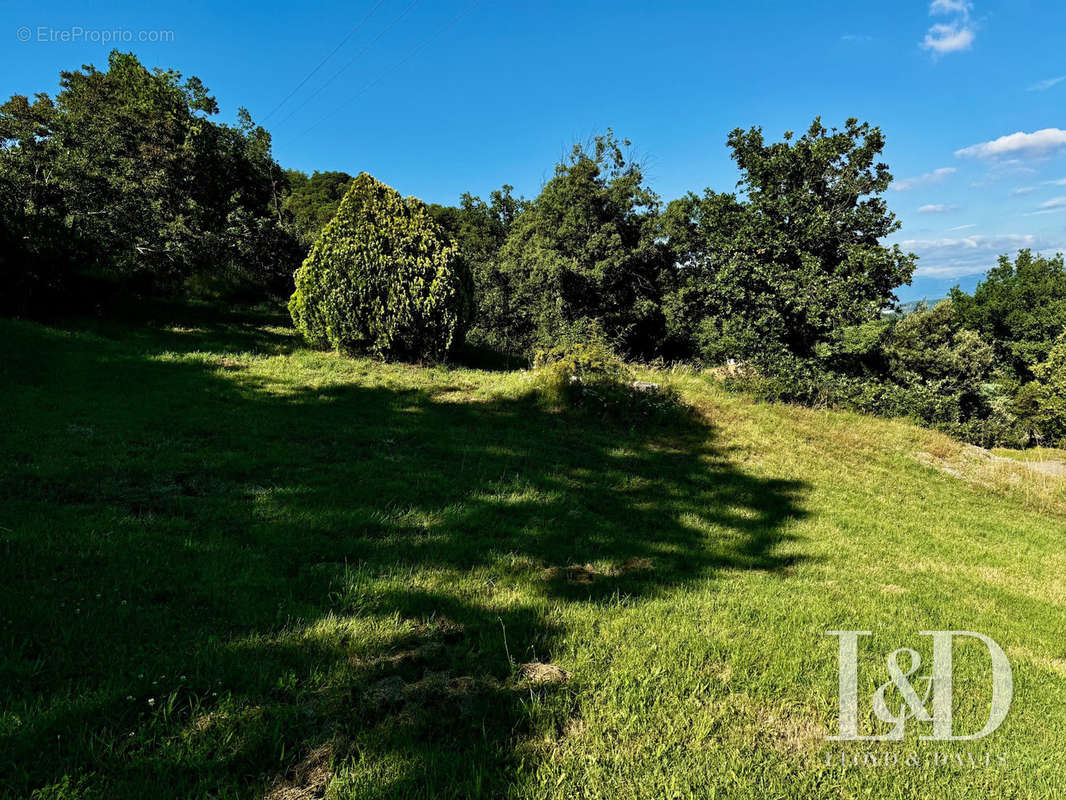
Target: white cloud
1053,206
1059,182
950,7
956,257
962,227
937,208
928,179
976,242
1043,86
953,36
1026,145
1023,190
942,39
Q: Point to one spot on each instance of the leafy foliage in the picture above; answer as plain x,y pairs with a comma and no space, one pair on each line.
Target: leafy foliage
583,254
383,279
924,366
797,257
480,229
123,178
312,201
1021,305
1042,403
932,345
590,376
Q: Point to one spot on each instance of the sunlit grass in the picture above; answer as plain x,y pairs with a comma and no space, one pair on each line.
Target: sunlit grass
235,566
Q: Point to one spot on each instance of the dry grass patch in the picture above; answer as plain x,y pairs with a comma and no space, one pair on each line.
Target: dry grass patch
1042,485
539,674
589,574
308,779
787,730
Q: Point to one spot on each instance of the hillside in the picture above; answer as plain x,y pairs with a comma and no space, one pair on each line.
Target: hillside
236,566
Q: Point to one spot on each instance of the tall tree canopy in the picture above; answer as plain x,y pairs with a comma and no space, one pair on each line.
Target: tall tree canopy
125,167
1022,305
584,255
312,201
798,255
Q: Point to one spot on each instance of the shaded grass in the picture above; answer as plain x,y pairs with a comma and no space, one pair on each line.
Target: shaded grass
234,566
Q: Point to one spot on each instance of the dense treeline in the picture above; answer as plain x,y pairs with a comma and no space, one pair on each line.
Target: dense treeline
123,184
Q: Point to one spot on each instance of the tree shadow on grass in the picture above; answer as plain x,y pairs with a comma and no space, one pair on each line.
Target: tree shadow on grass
214,587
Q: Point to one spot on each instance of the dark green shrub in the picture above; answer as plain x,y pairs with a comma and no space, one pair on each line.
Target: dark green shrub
932,345
382,279
981,414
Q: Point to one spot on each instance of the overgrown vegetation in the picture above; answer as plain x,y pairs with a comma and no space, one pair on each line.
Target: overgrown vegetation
794,260
123,184
591,377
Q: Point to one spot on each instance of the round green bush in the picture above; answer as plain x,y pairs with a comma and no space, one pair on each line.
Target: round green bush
382,279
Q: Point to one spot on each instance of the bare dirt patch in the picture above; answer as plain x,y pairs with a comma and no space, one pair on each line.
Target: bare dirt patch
1057,468
427,653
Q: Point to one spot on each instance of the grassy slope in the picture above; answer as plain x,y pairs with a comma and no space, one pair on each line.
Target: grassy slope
233,565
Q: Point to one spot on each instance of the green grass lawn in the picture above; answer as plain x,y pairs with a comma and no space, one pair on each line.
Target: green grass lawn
233,566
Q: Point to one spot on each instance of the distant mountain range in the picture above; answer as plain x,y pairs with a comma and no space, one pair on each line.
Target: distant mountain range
912,306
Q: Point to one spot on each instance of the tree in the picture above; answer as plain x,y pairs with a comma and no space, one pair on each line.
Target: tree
135,186
312,201
1019,305
583,257
382,279
1042,402
480,229
931,344
797,256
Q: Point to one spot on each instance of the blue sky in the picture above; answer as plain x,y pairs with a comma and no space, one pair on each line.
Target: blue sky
437,97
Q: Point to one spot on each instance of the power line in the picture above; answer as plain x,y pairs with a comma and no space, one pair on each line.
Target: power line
395,66
354,58
322,63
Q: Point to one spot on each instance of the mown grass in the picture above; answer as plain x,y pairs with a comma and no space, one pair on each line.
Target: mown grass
237,567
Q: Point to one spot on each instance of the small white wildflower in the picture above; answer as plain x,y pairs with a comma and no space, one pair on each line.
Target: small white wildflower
151,701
